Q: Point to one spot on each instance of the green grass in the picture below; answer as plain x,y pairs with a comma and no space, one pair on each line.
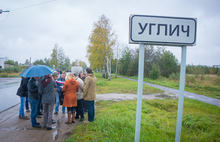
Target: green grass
10,74
120,85
115,122
202,87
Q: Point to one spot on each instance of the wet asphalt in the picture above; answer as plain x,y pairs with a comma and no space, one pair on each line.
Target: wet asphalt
8,90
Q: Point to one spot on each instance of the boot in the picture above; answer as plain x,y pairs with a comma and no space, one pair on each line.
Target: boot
73,117
69,119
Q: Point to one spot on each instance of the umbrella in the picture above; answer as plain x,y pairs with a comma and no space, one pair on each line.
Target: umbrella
36,70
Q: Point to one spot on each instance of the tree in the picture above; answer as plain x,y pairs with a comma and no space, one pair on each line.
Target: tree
80,63
124,61
83,65
47,61
54,56
101,40
116,53
39,62
61,58
67,63
27,62
10,62
155,72
168,63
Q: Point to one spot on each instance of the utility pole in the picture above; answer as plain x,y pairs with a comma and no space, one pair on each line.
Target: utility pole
1,11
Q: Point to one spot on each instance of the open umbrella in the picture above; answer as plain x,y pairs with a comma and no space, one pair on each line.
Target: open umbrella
36,70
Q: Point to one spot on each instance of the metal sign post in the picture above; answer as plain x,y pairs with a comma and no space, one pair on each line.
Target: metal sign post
161,30
181,95
140,92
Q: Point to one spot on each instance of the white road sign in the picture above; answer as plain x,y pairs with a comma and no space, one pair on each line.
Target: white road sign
159,30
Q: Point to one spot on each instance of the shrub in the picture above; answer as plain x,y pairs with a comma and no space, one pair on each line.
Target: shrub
155,72
218,73
11,69
190,79
174,76
4,75
217,81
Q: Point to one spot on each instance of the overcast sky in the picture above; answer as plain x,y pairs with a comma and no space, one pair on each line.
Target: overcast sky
32,31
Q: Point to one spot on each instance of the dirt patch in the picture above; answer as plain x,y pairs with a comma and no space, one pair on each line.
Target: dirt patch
120,97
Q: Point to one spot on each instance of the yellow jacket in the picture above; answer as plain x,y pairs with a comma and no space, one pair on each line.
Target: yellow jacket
89,92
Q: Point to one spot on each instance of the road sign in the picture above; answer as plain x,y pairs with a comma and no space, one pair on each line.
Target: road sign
158,30
161,30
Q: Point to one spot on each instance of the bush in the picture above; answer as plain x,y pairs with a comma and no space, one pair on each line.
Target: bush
4,75
155,72
190,79
217,81
218,73
174,76
11,69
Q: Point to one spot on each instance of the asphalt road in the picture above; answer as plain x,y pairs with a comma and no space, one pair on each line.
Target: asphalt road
8,90
190,95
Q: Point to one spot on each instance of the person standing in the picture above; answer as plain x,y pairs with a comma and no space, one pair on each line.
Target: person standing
33,96
89,93
60,82
70,88
27,104
54,77
83,77
46,89
79,107
23,93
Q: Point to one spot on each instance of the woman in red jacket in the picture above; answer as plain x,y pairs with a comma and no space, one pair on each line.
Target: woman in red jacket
70,88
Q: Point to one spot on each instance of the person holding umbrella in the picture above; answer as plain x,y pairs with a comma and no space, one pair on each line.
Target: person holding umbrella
46,89
33,96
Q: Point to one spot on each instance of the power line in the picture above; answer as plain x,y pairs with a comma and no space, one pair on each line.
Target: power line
33,5
5,18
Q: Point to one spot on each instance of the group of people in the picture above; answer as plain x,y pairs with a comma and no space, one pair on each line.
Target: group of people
72,91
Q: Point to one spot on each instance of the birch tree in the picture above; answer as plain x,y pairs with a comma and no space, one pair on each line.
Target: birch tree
100,48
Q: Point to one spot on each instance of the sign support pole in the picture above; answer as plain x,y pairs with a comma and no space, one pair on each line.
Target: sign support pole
181,95
139,92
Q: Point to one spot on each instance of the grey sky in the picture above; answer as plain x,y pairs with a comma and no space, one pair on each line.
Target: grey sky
33,32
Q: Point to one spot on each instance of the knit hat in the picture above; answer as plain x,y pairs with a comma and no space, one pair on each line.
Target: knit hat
55,73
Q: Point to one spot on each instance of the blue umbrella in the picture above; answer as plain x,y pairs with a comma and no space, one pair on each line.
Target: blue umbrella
36,70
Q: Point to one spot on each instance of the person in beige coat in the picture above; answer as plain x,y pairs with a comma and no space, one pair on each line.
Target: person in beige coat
89,93
80,100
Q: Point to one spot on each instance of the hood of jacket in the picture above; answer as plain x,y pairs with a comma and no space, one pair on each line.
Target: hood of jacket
71,81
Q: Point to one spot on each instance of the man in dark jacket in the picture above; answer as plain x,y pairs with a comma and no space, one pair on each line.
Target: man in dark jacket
33,99
23,92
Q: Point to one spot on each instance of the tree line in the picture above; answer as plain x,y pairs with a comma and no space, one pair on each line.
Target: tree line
158,62
106,55
58,59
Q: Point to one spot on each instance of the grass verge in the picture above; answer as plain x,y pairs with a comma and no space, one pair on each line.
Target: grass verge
10,74
199,87
120,85
115,122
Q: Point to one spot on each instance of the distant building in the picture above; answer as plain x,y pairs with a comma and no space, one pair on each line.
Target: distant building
2,61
